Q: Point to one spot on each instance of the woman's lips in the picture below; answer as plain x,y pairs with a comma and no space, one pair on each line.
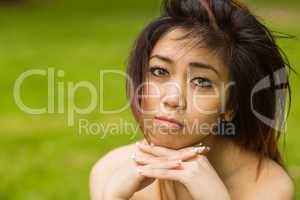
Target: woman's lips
167,123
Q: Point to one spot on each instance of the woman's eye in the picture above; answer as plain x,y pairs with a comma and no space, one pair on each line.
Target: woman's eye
202,82
158,71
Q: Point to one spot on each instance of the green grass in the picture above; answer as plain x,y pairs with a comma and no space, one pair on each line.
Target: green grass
42,158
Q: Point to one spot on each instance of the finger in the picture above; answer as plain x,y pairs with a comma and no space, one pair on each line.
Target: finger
187,154
155,150
169,174
183,154
143,158
163,165
141,153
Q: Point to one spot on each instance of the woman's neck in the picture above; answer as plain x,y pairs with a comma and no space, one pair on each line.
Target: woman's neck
227,157
224,155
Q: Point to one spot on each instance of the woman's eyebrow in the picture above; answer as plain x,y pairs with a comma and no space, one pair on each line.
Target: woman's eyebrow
163,58
205,66
191,64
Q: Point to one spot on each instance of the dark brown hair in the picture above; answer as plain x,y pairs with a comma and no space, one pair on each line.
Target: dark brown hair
248,49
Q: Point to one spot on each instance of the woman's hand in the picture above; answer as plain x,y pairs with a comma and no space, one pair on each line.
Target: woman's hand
127,180
196,173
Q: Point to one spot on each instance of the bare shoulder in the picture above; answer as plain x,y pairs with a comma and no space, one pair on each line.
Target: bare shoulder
105,166
276,182
273,183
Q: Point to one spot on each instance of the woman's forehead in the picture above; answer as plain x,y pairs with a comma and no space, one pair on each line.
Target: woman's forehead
169,45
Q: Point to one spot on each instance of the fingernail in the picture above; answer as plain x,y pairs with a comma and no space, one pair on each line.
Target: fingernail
151,144
137,144
179,161
207,148
199,149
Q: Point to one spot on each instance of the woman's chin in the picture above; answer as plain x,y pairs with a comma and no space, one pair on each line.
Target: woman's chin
175,141
168,141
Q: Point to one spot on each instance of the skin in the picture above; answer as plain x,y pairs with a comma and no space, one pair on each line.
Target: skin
188,93
177,88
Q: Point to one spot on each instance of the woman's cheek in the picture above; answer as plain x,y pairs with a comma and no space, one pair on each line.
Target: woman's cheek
150,98
204,105
203,116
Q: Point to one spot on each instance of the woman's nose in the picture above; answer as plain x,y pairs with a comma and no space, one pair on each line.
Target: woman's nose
174,96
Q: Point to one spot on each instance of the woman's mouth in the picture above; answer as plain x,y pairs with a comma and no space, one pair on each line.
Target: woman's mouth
165,122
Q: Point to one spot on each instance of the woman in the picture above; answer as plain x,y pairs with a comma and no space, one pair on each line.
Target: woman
207,85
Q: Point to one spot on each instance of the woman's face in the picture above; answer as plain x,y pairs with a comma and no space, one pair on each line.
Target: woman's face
183,85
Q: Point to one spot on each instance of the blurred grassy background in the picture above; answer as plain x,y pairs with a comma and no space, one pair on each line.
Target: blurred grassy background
42,158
